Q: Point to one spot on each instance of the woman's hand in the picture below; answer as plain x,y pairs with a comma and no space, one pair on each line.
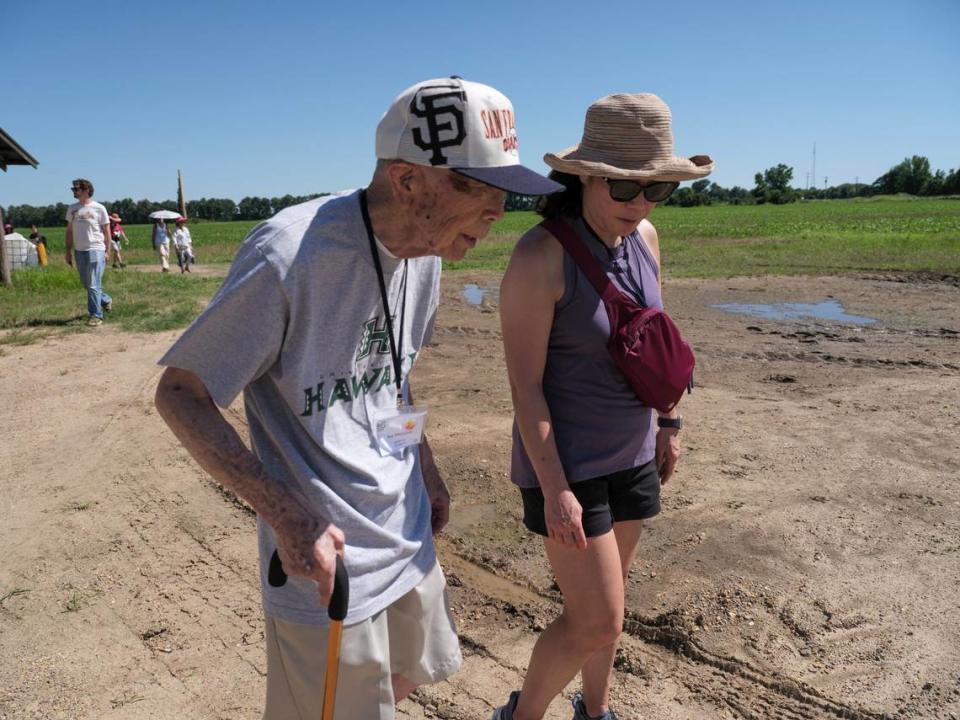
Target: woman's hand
667,453
563,515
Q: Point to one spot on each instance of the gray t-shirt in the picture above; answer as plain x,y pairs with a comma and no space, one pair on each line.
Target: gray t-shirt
299,327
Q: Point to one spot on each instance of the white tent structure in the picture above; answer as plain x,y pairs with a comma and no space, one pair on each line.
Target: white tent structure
20,252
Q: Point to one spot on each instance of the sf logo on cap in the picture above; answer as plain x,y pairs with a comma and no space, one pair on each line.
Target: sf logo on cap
433,103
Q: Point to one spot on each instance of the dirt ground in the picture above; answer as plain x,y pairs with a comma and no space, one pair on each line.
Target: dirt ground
806,564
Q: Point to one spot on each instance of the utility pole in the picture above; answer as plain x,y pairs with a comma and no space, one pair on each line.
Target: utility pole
825,178
813,173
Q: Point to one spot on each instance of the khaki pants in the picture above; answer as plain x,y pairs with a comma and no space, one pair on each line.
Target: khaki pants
164,251
414,637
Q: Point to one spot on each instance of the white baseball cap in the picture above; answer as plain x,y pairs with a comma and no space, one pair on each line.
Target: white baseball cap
465,126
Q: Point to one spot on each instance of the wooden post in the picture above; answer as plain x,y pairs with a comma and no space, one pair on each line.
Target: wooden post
180,195
4,268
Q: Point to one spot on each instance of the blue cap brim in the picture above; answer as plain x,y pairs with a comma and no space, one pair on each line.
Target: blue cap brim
513,178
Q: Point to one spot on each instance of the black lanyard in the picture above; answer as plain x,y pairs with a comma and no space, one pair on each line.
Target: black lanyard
396,347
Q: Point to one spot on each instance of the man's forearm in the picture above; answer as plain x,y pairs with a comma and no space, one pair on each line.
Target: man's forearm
214,443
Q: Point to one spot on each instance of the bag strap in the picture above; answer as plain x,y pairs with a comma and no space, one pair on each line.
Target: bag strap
561,230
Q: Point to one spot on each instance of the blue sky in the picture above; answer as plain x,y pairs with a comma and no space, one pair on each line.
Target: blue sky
274,98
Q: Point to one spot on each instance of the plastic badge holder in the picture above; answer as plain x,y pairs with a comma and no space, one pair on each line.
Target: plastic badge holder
396,430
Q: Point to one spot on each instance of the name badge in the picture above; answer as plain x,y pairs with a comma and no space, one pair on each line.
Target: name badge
396,430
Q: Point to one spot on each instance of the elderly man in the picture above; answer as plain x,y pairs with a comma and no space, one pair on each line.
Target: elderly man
88,230
319,323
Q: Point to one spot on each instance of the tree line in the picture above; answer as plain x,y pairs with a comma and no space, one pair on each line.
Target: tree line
136,212
913,176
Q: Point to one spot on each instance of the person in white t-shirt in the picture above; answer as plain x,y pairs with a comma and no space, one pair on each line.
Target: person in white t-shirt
88,230
319,322
184,245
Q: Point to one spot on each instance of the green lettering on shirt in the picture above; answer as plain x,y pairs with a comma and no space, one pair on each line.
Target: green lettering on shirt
374,335
341,391
386,378
363,385
312,397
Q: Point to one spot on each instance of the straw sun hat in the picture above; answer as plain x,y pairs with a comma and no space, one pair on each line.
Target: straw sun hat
628,137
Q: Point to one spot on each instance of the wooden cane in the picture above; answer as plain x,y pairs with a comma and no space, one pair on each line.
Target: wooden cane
337,610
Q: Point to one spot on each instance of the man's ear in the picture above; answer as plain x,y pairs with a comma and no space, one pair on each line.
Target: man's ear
405,179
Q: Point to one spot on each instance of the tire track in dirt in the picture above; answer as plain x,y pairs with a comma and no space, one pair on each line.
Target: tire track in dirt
666,641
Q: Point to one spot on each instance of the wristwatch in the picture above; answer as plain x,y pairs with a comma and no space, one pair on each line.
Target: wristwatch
669,422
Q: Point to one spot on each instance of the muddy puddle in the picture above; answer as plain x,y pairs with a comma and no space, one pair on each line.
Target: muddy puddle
827,310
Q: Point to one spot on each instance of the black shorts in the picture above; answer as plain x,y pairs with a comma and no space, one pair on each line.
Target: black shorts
632,494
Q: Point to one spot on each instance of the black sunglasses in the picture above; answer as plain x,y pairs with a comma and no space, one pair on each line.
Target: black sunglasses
75,188
627,190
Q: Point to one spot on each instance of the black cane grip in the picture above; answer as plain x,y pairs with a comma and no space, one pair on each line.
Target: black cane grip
339,601
275,575
337,609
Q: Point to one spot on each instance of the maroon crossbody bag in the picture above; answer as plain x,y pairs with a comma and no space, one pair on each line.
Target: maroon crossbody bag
644,342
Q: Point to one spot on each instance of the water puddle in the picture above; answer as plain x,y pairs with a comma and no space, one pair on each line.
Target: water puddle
830,310
474,294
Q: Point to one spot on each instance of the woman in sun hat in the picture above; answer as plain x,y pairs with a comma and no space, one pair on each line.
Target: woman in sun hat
588,456
117,237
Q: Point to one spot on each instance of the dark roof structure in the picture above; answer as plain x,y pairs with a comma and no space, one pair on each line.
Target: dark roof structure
12,154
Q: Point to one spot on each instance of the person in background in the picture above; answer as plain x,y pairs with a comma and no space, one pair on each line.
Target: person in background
184,245
588,456
41,243
88,230
117,238
161,243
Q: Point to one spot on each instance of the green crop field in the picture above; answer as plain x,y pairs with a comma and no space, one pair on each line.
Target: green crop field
821,237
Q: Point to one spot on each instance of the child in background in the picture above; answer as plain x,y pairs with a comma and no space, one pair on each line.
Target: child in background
184,245
117,236
41,242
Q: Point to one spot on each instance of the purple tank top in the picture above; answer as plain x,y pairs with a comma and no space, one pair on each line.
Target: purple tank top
599,424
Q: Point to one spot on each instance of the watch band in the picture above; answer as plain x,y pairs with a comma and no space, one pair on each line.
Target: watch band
668,422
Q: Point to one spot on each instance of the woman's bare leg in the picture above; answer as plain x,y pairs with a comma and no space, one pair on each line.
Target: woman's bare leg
592,584
597,669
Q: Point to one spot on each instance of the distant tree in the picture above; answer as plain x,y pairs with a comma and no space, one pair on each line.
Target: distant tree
934,184
254,208
125,208
909,176
773,185
280,203
718,194
951,183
